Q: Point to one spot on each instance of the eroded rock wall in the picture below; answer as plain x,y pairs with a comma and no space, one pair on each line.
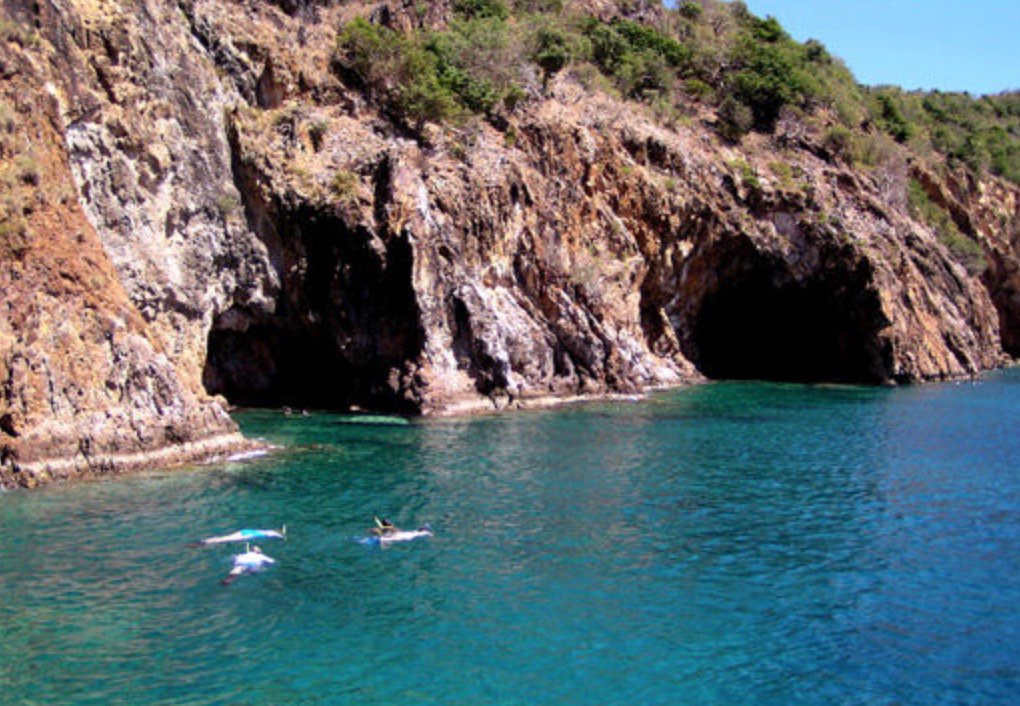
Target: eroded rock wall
86,386
147,143
989,212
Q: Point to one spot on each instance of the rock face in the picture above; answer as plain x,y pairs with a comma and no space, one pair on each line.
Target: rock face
215,212
87,388
988,211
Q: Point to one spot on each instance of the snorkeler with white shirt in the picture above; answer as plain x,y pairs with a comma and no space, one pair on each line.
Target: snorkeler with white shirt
250,562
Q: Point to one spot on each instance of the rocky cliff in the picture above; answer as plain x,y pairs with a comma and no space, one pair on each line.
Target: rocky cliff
88,384
200,207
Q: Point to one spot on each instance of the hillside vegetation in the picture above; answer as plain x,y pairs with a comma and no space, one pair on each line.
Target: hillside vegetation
703,57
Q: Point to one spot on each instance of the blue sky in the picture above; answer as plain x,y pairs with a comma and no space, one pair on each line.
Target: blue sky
951,45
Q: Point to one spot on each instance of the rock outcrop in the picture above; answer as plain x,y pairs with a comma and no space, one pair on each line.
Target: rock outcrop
217,213
87,387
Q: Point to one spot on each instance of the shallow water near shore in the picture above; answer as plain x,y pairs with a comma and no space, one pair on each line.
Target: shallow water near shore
724,544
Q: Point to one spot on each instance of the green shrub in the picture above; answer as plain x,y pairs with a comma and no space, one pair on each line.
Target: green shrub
735,119
839,141
539,6
697,88
767,81
423,96
227,203
643,38
980,133
815,51
691,10
963,249
609,48
873,149
482,62
368,52
972,152
718,53
432,76
892,120
645,75
748,175
475,92
768,30
644,61
481,9
1003,153
783,172
552,51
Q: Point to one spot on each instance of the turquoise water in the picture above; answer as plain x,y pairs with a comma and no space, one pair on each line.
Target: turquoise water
736,543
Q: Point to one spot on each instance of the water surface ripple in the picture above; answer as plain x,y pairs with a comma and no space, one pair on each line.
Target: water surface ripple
726,544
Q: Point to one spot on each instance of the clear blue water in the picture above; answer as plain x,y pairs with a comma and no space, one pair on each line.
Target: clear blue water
735,543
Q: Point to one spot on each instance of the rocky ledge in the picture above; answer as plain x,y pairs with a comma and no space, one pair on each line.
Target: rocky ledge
200,207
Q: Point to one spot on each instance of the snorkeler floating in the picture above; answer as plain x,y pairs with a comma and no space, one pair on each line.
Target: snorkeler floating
385,532
250,562
244,535
405,535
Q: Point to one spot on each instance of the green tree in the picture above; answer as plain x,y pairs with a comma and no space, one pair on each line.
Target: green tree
768,81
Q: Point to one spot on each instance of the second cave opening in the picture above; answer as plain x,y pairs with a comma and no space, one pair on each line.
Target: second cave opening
763,325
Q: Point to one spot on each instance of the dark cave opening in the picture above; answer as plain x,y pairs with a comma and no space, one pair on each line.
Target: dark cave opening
999,279
759,326
345,330
272,364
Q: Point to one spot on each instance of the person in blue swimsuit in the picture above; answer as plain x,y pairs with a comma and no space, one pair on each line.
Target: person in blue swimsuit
244,535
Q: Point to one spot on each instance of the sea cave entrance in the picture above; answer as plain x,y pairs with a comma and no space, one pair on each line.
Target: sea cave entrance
763,324
345,331
273,363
